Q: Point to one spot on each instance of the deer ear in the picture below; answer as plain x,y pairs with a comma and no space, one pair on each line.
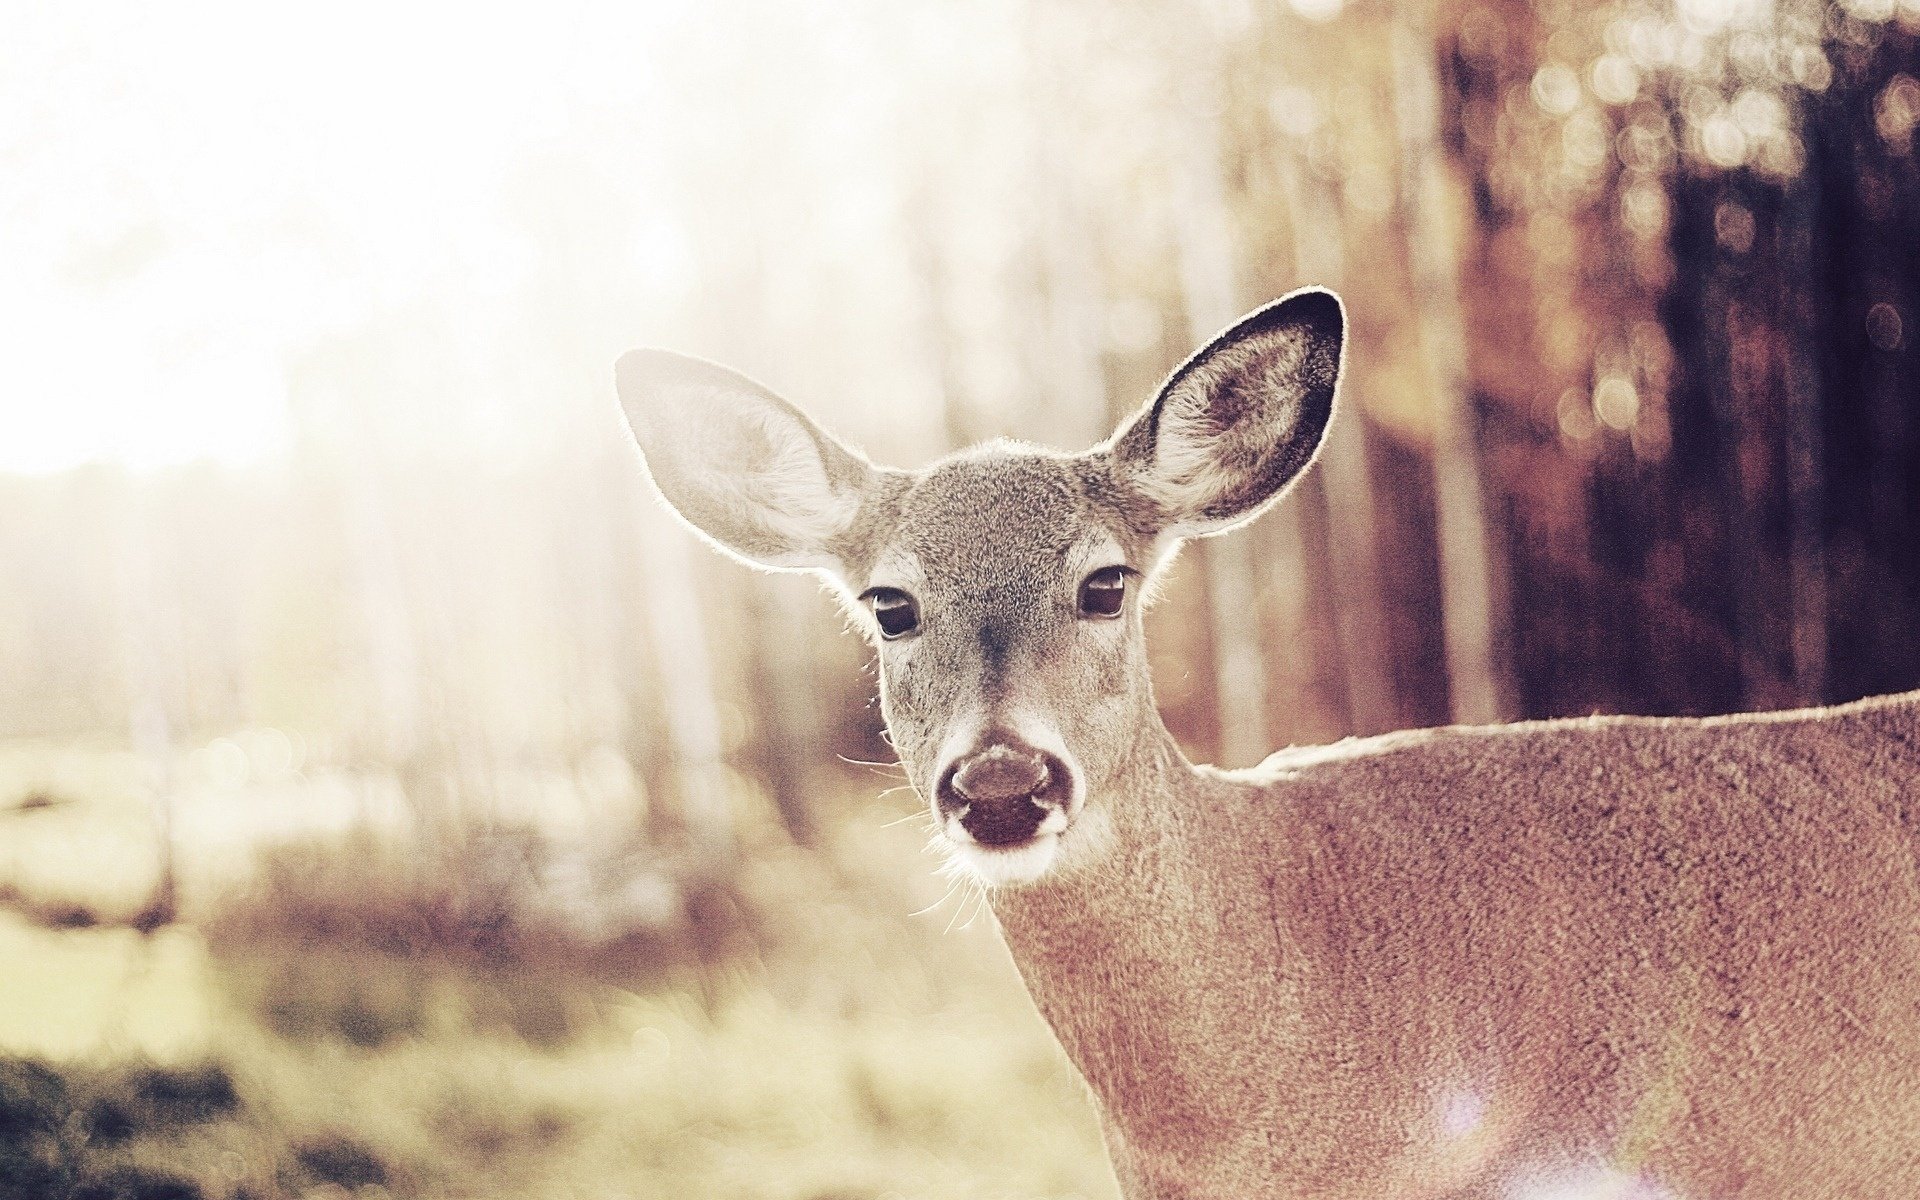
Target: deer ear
741,465
1238,421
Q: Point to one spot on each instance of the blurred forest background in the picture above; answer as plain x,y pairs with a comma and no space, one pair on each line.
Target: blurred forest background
394,802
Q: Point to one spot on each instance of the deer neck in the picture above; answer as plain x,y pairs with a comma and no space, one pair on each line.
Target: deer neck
1112,947
1140,845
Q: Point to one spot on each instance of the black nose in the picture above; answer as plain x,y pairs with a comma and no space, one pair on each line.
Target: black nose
1000,773
1003,790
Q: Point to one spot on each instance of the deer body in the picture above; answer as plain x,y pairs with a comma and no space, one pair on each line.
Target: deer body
1587,958
1617,957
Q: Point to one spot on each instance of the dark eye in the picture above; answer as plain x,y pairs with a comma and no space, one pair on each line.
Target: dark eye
895,610
1104,593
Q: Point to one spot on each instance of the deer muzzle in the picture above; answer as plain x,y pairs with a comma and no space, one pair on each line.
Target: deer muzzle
1002,792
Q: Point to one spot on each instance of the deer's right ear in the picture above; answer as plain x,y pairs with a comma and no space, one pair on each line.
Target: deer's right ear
741,465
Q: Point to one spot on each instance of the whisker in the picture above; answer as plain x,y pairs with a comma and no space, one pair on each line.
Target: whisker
957,910
885,768
937,903
980,905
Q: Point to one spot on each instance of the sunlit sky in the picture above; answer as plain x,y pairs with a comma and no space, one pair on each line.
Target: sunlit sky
191,194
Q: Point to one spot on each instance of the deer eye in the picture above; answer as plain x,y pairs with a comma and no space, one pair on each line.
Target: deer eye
1104,593
896,612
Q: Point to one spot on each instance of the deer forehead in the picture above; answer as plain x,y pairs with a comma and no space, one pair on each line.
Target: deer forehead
997,527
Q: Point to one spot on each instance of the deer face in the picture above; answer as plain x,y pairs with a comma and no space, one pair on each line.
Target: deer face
1013,679
1002,586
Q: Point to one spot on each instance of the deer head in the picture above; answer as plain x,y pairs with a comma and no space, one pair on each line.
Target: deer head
1002,586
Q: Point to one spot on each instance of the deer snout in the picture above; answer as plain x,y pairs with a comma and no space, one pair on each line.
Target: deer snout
1001,773
1004,792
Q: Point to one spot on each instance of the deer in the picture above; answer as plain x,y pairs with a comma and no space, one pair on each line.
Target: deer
1607,956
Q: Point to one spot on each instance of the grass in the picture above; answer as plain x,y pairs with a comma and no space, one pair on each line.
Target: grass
842,1049
747,1102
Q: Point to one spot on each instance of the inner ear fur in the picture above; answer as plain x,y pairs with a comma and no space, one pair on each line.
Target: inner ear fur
1239,420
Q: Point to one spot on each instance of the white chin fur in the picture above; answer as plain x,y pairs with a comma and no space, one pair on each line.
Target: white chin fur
998,868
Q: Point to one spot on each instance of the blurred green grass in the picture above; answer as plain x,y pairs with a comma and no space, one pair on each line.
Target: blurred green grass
859,1038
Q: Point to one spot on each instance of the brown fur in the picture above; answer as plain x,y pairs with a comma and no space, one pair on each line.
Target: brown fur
1688,951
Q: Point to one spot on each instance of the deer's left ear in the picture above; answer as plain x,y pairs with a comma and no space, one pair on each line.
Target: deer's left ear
1238,421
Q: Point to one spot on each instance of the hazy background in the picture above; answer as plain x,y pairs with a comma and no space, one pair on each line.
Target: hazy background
393,802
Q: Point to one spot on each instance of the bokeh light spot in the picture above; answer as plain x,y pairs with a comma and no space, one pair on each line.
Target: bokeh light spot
1885,329
1870,10
1616,402
1556,89
1723,142
1896,111
1733,227
1317,10
1615,80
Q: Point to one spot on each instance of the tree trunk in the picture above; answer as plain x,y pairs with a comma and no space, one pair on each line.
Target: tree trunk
1205,243
1472,592
676,621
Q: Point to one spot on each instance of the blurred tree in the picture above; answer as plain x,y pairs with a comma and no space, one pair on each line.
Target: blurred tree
1673,274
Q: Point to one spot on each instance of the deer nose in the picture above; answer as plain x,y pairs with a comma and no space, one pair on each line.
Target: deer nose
1000,773
1003,791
